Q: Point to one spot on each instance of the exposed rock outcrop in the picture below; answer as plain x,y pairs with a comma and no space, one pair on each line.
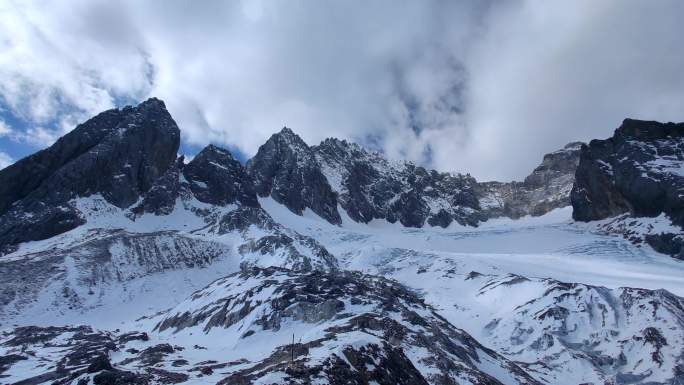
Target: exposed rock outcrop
546,188
368,186
119,154
639,171
360,329
286,169
215,177
161,197
371,187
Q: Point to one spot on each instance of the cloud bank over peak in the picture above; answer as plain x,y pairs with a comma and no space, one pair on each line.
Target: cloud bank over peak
476,87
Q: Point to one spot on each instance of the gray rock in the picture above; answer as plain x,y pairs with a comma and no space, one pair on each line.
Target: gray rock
635,172
614,175
666,243
286,169
215,177
161,198
371,187
546,188
368,186
118,154
393,314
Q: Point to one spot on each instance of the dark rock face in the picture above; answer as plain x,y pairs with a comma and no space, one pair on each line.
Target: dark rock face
368,186
118,154
215,177
244,217
639,170
286,169
546,188
99,363
119,377
371,187
26,175
161,198
36,221
666,243
7,361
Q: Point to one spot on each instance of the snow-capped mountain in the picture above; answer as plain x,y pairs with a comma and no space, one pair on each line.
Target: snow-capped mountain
189,216
286,169
122,263
118,154
639,171
368,186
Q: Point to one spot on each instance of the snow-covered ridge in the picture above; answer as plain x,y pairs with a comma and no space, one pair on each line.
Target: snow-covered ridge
117,250
374,265
367,186
558,298
347,327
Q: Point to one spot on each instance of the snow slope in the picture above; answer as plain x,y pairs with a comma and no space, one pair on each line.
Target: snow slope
499,281
549,246
551,298
119,266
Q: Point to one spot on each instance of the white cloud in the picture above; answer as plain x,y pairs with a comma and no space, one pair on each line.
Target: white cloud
547,73
36,136
5,129
66,61
5,160
466,86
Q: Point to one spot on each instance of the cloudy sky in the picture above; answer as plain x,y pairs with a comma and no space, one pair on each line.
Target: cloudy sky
468,86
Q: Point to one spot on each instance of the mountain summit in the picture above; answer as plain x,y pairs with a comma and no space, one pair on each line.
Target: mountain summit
121,263
119,154
286,169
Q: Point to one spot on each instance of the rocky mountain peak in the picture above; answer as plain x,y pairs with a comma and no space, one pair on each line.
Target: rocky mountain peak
639,171
215,177
287,131
118,154
152,103
26,175
214,153
648,130
341,151
572,146
286,138
286,169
